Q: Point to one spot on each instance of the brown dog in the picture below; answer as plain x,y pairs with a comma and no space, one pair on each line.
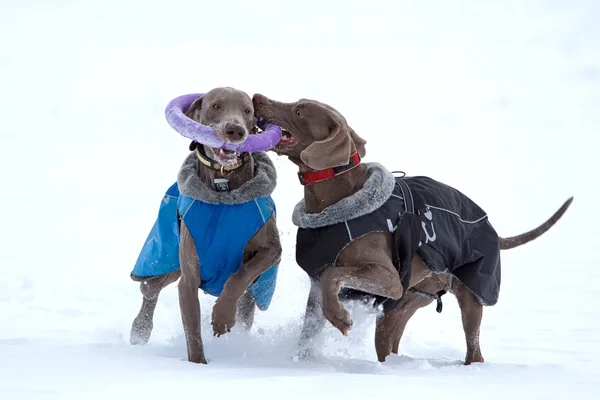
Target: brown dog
228,241
347,254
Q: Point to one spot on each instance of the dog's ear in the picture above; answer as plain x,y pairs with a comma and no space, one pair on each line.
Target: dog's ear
253,129
333,151
192,145
359,143
193,110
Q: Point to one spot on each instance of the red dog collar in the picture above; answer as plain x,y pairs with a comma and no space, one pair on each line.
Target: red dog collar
310,177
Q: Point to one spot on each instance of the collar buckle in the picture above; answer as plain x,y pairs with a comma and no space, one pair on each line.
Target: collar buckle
301,178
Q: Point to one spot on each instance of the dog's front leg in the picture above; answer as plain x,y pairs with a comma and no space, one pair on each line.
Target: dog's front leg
377,278
390,325
188,296
314,321
261,253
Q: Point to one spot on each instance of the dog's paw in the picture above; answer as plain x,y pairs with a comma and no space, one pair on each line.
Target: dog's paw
198,359
141,329
339,317
472,359
223,318
304,353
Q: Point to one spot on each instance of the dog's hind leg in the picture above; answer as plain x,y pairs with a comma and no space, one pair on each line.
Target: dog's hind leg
143,322
245,310
471,311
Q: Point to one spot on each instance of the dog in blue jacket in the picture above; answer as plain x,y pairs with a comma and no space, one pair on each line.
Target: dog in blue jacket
216,229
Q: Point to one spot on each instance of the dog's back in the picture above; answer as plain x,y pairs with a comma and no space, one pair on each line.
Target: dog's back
456,237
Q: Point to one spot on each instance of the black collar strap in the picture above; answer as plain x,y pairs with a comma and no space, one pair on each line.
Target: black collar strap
212,164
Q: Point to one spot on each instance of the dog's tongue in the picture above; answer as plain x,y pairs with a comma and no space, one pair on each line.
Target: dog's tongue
224,152
287,138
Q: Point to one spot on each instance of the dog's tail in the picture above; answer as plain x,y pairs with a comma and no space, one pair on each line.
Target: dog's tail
514,241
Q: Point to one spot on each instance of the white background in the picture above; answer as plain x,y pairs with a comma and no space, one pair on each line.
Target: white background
497,98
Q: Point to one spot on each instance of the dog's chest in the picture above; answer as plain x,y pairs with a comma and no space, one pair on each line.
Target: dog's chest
318,248
220,229
221,233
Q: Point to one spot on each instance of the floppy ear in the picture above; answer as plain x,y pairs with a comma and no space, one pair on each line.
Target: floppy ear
358,142
193,110
333,151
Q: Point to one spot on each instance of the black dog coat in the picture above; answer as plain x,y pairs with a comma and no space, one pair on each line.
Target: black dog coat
448,231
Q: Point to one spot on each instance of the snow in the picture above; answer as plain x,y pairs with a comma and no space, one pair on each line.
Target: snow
499,99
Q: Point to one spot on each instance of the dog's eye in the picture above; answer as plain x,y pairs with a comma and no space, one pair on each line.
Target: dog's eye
216,106
248,111
298,113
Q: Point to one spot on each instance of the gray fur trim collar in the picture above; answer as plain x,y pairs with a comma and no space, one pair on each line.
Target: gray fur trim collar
377,189
262,184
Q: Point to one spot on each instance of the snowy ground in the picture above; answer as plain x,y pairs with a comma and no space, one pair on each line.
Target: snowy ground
500,99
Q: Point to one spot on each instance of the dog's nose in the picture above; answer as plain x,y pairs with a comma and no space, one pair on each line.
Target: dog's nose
235,132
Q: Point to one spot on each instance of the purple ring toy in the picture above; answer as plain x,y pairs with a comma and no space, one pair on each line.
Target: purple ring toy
187,127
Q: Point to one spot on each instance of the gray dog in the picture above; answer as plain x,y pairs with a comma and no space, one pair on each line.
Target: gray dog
364,233
216,229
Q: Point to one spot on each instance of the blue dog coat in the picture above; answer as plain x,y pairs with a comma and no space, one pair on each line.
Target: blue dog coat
220,233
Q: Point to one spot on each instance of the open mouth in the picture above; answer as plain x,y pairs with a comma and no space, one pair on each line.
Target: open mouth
287,138
225,157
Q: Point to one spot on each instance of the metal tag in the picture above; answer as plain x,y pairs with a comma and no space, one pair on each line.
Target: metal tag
221,184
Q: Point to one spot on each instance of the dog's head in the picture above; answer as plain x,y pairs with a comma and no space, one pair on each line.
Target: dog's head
230,113
314,134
